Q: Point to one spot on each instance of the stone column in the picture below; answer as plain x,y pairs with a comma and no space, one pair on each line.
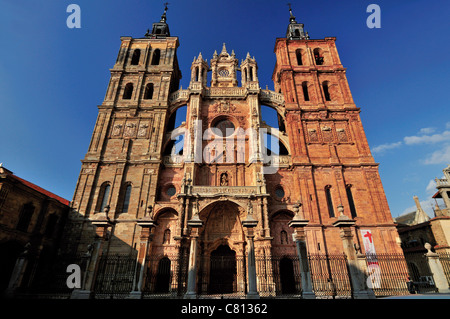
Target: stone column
299,223
249,223
101,235
147,224
436,269
194,224
355,272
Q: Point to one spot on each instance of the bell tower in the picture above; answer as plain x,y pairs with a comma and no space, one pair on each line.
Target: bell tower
120,171
331,158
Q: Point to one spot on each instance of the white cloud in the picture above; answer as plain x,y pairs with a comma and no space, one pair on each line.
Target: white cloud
383,147
431,187
427,130
427,206
441,156
427,139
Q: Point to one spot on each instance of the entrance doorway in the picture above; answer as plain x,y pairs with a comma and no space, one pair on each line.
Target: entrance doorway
163,276
222,278
287,276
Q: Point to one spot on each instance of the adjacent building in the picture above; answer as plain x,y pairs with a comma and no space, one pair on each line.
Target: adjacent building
32,221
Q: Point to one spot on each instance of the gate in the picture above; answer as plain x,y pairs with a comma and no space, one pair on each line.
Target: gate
114,276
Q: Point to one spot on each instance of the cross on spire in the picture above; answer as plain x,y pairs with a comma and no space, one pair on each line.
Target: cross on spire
163,17
292,17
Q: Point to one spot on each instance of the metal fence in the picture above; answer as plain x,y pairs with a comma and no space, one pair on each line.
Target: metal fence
278,276
165,276
115,276
444,258
329,276
387,274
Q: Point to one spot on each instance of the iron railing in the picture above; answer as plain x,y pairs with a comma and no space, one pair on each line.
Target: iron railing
329,276
165,276
387,274
444,258
115,276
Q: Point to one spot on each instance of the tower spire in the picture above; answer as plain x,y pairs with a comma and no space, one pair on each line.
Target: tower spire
160,29
292,17
295,30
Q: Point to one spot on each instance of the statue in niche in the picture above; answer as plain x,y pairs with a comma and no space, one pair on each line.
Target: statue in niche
142,129
116,129
224,179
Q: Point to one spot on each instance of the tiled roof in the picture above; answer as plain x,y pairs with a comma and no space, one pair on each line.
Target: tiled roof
40,190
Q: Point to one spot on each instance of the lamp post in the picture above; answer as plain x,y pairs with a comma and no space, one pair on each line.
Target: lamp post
195,223
250,223
299,223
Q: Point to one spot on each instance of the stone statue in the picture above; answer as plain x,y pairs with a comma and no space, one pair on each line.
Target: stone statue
224,179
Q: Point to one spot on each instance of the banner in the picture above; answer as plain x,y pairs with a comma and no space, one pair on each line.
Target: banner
373,268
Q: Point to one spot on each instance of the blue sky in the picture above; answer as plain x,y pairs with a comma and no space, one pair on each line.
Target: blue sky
52,77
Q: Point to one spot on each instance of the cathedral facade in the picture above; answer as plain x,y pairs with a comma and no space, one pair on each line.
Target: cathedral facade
193,201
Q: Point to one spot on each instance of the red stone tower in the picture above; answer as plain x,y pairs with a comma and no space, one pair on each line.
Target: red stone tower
331,160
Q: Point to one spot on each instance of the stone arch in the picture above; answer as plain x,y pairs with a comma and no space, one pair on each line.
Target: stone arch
180,111
284,143
279,227
222,226
164,211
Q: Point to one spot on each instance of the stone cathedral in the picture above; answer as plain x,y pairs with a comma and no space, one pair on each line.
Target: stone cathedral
198,203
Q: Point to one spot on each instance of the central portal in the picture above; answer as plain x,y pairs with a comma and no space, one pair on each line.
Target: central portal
222,270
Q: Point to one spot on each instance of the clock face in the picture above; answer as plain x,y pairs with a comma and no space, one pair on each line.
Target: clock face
224,73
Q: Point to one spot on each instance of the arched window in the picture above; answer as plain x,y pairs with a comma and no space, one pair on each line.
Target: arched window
273,145
148,94
305,91
329,200
318,57
298,53
126,198
350,201
136,57
25,217
128,92
326,91
196,74
103,197
251,73
156,57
